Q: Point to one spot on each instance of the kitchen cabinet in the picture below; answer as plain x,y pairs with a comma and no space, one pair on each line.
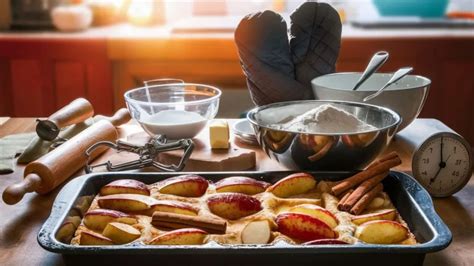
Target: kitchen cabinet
38,76
200,60
39,72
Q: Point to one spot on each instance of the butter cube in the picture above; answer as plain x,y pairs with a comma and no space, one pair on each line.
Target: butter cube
219,134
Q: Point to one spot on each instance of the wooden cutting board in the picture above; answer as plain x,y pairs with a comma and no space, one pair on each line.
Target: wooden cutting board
203,158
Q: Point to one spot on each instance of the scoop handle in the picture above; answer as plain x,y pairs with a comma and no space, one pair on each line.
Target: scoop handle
377,60
402,72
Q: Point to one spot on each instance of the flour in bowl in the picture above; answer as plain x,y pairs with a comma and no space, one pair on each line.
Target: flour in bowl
326,119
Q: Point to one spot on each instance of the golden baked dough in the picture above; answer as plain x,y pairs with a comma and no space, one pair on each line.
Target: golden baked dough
272,206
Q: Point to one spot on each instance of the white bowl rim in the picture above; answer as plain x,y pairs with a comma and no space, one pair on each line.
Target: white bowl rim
128,99
396,116
426,82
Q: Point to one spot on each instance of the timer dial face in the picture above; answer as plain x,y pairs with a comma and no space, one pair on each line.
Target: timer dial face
443,164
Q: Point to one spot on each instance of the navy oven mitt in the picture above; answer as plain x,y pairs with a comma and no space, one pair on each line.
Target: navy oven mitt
278,69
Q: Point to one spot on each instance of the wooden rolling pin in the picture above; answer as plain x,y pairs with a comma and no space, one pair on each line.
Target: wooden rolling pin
49,171
75,112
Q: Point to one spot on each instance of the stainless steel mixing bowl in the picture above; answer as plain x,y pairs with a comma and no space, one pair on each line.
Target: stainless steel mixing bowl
339,151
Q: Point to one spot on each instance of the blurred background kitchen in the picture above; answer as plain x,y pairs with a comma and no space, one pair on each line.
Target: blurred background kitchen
53,51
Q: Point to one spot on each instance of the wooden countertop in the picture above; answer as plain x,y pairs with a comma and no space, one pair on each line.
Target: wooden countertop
19,224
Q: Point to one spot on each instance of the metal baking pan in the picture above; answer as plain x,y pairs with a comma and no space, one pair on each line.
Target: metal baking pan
411,200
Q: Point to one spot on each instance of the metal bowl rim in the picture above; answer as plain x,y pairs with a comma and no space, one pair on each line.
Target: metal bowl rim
398,119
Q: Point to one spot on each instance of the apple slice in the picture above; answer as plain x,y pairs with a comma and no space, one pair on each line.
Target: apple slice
326,242
293,184
233,206
94,239
97,219
129,219
126,202
256,232
303,227
125,186
173,207
389,214
185,236
241,184
316,212
121,233
185,186
66,231
381,232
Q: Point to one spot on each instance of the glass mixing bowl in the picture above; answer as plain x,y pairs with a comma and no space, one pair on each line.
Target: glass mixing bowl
178,110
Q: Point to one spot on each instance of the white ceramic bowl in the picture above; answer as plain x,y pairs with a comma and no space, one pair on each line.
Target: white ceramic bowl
71,18
406,97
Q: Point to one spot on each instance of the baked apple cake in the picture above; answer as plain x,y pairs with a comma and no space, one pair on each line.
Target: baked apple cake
189,210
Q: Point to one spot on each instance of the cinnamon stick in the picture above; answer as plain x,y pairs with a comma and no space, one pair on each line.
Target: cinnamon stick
386,157
364,175
176,221
344,198
363,202
361,190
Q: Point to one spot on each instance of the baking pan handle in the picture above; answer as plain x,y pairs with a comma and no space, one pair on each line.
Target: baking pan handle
46,236
442,235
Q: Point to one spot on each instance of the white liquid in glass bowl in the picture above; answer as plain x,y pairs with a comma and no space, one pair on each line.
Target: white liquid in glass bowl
175,124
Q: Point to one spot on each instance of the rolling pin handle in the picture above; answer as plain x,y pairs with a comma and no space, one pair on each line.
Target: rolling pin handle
73,113
14,193
122,116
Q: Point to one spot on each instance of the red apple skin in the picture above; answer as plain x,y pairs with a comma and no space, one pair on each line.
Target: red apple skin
90,238
241,184
66,232
174,235
332,221
389,214
303,227
174,204
201,182
106,212
284,187
125,186
106,216
126,202
233,205
326,242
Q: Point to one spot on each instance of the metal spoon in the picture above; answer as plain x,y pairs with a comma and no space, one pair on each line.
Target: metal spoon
375,63
396,77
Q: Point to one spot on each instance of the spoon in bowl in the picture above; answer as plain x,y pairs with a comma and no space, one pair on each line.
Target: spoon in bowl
402,72
377,60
